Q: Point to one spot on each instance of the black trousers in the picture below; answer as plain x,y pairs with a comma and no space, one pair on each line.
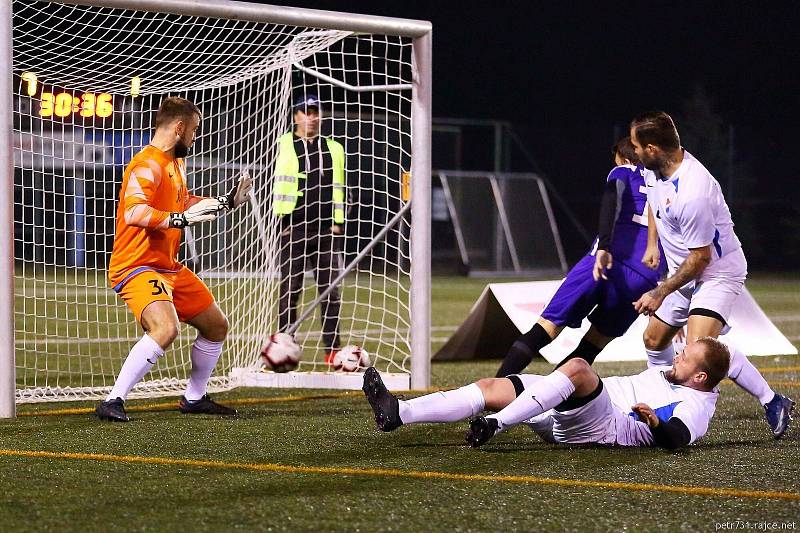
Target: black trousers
319,250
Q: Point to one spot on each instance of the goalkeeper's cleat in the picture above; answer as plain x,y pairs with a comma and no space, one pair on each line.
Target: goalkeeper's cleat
204,406
112,410
481,429
779,414
384,404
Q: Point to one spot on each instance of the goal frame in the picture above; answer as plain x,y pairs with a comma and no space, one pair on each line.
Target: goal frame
421,34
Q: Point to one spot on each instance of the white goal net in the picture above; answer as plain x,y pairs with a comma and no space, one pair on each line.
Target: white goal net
87,81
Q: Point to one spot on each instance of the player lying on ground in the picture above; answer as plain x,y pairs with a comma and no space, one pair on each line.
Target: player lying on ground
707,267
154,207
593,288
662,407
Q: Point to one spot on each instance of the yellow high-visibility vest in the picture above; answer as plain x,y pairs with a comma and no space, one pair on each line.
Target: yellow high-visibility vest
285,186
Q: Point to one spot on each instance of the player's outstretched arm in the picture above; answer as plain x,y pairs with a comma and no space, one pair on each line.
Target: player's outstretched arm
206,209
201,211
691,269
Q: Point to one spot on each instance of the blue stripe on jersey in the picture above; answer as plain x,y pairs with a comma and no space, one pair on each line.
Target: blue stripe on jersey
663,413
716,243
675,183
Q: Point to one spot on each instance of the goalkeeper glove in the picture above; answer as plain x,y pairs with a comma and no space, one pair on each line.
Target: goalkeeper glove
238,195
203,211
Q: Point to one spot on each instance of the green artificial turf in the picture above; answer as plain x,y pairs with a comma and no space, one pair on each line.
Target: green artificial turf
354,491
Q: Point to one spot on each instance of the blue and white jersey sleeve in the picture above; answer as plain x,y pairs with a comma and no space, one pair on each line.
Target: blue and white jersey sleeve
691,213
696,220
696,410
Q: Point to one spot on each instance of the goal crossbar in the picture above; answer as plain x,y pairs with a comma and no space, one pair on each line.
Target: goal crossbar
292,16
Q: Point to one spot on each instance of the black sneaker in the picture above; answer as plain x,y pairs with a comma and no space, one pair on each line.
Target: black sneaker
205,406
112,410
384,404
481,429
779,413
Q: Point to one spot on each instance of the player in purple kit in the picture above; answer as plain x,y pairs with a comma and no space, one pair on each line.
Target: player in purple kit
593,288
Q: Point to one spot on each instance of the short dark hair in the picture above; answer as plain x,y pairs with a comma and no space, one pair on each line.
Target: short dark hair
624,148
716,360
656,128
175,107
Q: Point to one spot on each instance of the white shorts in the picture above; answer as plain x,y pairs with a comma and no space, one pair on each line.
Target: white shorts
716,294
597,422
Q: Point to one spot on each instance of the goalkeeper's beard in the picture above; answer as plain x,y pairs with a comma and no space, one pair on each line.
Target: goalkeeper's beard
181,149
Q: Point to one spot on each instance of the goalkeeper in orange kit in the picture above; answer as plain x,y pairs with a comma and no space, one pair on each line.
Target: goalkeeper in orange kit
153,208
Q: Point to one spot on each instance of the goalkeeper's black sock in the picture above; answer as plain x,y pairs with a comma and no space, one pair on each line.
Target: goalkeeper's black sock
585,350
523,350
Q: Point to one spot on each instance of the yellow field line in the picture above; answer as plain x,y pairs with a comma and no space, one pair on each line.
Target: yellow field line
772,383
413,474
771,369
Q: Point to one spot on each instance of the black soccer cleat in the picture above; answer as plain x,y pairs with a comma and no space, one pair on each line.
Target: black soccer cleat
384,404
112,410
779,413
204,406
481,429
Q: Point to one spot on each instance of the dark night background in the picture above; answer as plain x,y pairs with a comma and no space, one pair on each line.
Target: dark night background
570,77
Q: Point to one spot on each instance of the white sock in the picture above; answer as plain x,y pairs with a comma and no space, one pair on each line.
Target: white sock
142,357
447,406
744,374
205,354
660,357
541,396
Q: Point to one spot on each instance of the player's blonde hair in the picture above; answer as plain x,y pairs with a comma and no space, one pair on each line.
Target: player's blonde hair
716,360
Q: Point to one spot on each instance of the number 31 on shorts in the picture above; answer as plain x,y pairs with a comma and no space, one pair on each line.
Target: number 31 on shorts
158,287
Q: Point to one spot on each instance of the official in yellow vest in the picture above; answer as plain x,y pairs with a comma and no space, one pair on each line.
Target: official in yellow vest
308,195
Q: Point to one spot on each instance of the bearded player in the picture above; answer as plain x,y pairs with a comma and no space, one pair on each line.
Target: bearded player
154,207
707,267
665,407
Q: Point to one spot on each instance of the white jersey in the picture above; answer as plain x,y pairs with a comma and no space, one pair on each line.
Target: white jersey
693,407
691,212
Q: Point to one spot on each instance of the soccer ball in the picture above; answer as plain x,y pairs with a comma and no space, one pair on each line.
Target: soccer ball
350,358
281,353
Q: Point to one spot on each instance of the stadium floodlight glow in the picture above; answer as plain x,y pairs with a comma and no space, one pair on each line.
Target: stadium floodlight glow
101,69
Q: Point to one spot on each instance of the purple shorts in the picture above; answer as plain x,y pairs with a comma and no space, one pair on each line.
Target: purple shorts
612,299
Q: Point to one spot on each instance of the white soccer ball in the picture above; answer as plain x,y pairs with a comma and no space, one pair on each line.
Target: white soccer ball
350,358
281,353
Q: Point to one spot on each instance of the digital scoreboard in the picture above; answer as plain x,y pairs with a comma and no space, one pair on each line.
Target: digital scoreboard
66,104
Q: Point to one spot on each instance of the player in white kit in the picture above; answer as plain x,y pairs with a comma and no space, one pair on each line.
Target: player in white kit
666,407
706,265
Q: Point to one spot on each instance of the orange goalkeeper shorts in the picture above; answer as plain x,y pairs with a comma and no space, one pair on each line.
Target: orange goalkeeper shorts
183,288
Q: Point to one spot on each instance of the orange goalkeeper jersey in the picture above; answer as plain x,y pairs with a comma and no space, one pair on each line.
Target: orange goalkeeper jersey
153,186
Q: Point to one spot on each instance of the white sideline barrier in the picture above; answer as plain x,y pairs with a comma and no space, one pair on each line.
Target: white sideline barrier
505,310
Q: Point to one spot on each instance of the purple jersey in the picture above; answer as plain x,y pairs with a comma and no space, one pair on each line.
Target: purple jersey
608,303
629,241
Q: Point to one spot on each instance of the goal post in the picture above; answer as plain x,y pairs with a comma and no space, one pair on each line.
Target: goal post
87,78
7,368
